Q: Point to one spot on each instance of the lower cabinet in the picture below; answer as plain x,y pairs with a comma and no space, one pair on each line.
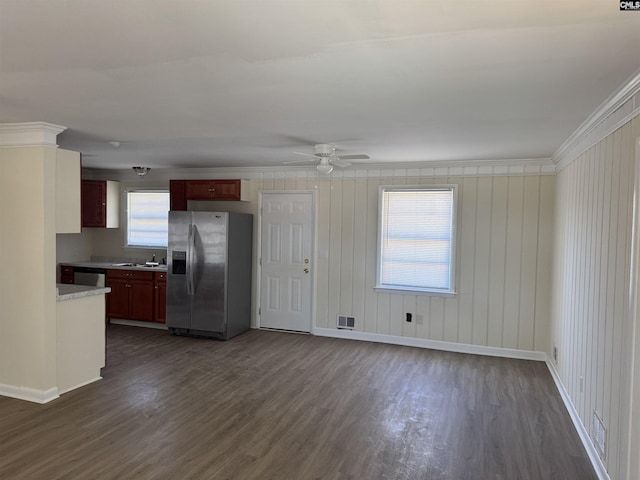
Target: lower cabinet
160,297
132,295
66,274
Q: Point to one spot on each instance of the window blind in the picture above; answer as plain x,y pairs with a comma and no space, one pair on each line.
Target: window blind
416,241
148,216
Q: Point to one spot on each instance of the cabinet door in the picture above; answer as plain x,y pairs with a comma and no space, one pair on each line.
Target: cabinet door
94,203
118,299
66,274
141,300
160,315
178,194
225,190
199,189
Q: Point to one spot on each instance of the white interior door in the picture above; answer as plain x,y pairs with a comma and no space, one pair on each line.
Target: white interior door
286,278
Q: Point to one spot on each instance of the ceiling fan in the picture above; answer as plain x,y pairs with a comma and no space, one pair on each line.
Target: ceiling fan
326,153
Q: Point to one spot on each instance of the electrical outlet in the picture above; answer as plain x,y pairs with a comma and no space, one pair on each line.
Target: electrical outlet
409,317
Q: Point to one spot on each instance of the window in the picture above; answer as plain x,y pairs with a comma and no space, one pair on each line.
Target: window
416,238
147,218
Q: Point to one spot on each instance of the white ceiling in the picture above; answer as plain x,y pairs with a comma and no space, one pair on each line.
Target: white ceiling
247,83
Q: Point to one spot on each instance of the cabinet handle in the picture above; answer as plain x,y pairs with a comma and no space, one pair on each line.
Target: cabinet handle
212,189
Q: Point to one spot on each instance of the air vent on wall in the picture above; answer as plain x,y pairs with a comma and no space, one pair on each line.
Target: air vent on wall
346,322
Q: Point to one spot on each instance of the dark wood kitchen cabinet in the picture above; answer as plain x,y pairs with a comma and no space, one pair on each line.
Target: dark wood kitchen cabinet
132,295
99,203
183,190
160,297
66,274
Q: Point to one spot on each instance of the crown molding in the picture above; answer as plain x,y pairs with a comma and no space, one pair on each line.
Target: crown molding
615,111
459,168
30,134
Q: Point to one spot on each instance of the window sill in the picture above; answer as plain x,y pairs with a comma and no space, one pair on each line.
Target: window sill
407,291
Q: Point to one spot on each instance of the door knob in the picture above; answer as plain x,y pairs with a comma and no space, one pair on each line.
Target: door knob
306,270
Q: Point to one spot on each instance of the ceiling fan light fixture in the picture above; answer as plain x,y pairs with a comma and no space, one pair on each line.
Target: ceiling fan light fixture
141,171
325,168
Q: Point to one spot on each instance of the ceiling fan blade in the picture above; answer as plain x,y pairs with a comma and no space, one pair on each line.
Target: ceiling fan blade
340,162
306,155
301,160
355,157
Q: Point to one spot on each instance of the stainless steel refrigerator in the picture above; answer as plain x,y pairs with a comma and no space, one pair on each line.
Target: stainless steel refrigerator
209,273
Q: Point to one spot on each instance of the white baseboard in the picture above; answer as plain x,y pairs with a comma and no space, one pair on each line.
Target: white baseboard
432,344
596,461
136,323
29,394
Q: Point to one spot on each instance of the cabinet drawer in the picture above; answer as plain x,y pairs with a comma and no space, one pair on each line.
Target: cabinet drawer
66,270
160,276
130,275
66,274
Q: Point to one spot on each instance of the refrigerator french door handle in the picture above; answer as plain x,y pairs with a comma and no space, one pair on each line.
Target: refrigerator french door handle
192,257
190,261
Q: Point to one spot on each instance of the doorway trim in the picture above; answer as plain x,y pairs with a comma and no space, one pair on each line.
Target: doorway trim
314,252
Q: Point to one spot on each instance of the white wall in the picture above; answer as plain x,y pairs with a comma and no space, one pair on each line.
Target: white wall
27,281
589,325
504,258
503,261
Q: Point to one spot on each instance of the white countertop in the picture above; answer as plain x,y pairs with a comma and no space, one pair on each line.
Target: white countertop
116,266
68,292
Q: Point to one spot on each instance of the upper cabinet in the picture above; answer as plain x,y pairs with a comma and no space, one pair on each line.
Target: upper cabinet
184,190
67,191
100,203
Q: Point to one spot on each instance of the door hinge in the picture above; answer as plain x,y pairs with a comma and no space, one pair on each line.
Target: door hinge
259,310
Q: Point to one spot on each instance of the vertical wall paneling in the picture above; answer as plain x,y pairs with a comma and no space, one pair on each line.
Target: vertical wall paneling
605,325
513,262
590,286
347,247
436,318
359,251
497,259
596,232
466,238
501,222
371,297
544,265
629,409
410,303
482,266
396,315
335,246
431,327
623,271
322,265
528,264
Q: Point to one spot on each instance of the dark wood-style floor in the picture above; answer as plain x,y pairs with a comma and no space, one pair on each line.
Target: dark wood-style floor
269,405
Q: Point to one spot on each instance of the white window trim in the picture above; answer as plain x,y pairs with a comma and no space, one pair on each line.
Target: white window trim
380,288
126,217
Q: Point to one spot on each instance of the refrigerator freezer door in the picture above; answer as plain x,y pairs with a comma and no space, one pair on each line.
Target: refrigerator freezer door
178,298
209,261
